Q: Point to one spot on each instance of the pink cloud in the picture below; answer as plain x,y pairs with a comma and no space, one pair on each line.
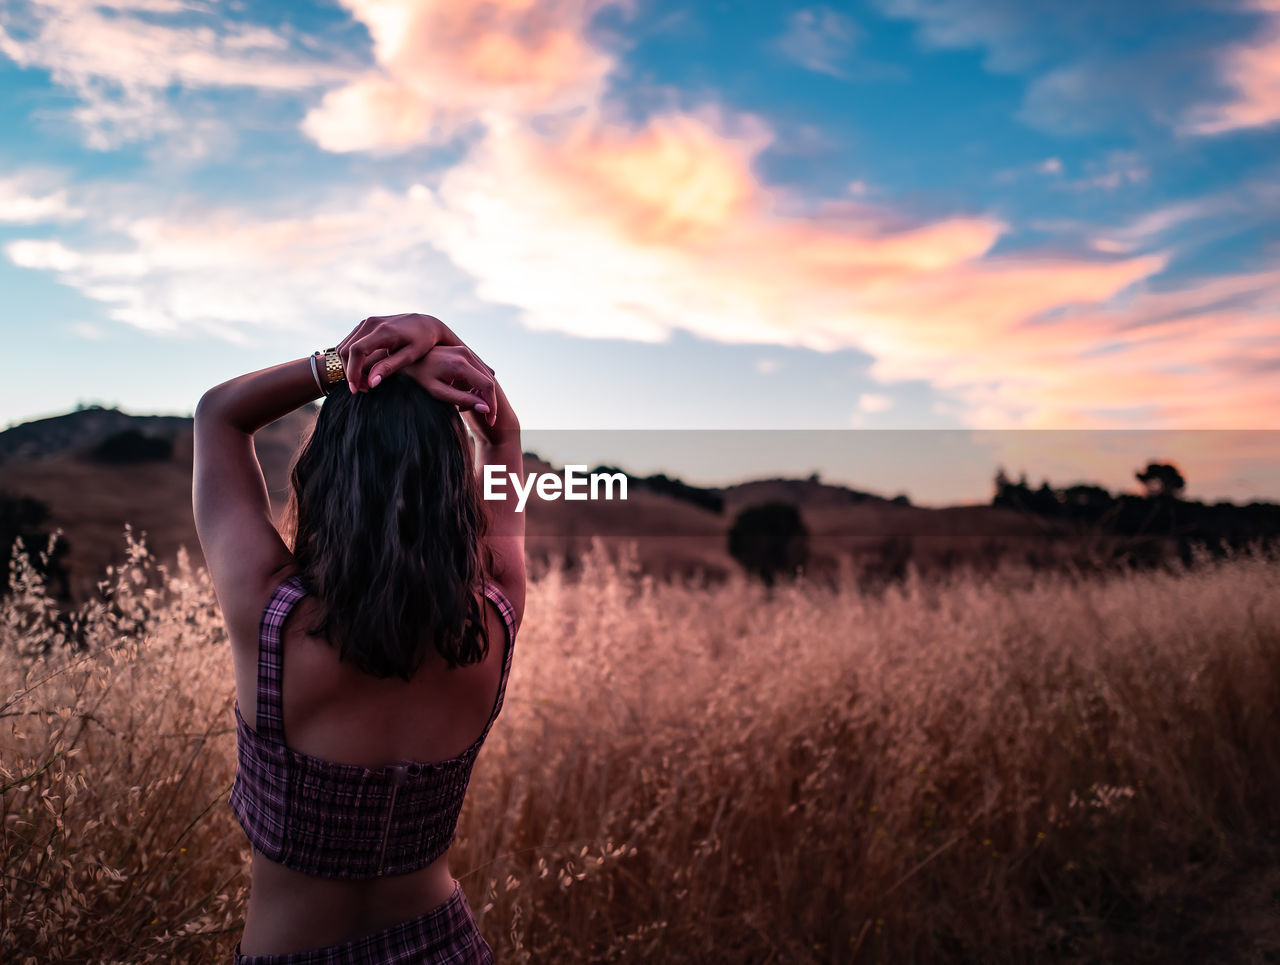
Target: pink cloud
636,231
599,227
1187,357
1252,70
442,64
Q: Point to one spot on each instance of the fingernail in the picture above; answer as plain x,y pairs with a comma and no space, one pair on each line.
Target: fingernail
375,380
481,407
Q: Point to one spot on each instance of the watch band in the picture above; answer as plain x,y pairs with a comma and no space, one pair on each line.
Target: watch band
333,370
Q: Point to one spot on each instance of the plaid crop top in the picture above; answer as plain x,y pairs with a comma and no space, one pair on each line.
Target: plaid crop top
342,820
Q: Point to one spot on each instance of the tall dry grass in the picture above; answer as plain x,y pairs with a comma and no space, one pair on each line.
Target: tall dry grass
1011,768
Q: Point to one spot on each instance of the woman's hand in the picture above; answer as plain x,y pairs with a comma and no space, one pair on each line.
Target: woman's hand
455,374
382,344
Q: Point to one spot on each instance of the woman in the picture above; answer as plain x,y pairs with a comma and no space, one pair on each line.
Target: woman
358,721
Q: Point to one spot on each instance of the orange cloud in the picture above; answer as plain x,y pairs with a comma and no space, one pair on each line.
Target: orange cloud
676,182
601,228
636,231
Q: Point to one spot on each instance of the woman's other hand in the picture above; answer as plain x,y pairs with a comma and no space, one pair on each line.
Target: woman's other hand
455,374
382,344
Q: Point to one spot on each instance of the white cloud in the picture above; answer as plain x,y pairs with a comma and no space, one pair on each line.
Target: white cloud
637,231
122,58
596,226
24,201
819,39
42,255
226,272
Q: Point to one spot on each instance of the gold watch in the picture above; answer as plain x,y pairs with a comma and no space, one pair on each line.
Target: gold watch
333,370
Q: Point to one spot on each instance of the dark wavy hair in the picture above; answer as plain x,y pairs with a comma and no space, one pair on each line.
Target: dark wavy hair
388,529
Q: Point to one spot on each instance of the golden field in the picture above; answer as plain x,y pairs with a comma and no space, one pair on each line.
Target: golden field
1014,767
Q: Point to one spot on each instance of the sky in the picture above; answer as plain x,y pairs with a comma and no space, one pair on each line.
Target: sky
1044,229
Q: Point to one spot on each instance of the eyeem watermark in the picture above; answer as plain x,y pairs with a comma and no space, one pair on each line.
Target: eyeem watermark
576,485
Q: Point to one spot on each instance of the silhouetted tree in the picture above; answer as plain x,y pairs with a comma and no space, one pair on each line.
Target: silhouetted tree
1086,501
1020,495
1152,528
769,540
1161,479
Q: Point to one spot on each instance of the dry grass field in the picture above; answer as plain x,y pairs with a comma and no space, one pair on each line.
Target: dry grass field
1014,767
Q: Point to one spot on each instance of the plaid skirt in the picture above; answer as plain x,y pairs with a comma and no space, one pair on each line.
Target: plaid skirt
446,935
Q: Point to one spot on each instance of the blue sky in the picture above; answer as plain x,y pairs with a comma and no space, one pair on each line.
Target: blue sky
901,214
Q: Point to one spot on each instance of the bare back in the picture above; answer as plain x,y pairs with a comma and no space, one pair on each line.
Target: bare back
335,712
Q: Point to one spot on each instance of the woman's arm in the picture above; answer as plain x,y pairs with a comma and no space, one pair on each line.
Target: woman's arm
256,399
242,549
500,447
259,398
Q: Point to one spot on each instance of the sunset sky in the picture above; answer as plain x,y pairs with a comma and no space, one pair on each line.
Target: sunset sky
898,214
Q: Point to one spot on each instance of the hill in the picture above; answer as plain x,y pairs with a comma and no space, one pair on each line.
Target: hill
674,531
82,429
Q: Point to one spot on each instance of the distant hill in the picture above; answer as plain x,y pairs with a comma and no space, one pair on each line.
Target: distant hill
801,492
81,430
678,529
52,460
